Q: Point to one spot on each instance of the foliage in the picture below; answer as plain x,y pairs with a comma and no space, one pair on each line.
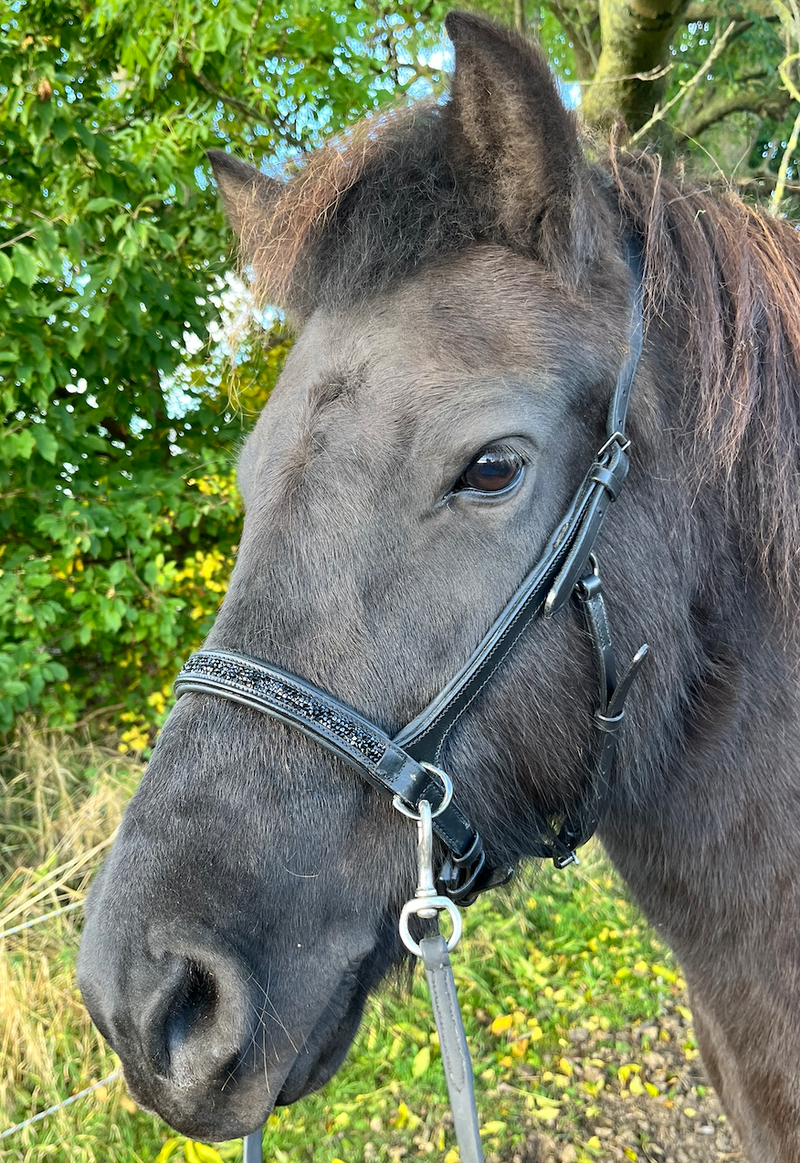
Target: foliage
531,968
122,407
119,516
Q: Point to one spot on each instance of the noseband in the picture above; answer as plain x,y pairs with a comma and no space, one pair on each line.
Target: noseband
406,766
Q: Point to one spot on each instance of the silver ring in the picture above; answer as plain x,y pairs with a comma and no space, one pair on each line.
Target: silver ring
441,904
447,784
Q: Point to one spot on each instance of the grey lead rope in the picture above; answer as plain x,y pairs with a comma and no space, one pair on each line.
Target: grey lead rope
252,1148
453,1047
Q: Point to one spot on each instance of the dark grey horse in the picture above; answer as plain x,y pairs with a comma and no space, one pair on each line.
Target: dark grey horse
457,280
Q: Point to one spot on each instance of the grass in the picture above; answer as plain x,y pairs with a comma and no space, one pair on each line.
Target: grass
540,961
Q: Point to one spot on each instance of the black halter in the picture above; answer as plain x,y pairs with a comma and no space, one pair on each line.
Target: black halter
406,766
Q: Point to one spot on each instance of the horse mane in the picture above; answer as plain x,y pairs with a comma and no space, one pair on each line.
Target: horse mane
723,277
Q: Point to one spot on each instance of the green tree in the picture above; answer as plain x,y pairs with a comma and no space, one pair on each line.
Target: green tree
119,516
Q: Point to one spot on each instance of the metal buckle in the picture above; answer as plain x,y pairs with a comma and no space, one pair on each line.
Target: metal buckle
427,903
615,438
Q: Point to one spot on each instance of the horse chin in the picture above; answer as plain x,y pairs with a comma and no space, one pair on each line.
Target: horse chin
325,1049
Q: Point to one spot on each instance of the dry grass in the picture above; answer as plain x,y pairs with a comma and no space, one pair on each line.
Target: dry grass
62,800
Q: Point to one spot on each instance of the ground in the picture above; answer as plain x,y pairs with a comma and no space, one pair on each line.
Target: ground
691,1128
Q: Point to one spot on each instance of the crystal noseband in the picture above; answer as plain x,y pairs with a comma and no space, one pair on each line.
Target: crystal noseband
405,765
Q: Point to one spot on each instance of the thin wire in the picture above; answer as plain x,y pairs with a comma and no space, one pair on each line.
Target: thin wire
38,920
51,1110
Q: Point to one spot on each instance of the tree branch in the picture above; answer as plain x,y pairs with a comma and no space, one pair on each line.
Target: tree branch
253,114
764,102
700,13
716,50
636,37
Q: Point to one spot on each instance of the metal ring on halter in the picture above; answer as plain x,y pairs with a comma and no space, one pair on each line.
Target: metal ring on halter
447,784
441,904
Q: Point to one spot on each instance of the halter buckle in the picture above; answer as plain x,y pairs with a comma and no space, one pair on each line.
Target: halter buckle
615,438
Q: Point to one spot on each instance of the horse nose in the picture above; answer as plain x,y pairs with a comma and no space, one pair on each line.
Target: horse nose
183,999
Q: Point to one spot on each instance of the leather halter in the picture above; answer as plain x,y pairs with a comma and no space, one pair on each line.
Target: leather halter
405,765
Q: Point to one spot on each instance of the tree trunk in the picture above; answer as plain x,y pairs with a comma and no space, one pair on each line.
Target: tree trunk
631,75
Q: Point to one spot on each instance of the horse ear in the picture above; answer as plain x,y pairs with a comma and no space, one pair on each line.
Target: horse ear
246,193
515,145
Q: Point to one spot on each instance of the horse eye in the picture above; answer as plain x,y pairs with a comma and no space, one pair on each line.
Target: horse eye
492,471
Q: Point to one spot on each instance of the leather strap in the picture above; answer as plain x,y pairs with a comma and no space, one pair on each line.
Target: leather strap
253,1148
453,1046
358,742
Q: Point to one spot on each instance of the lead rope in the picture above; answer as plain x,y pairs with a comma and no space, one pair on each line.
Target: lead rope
435,953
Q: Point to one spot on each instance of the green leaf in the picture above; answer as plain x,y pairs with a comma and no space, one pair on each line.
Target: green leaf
6,268
95,205
117,572
46,443
26,267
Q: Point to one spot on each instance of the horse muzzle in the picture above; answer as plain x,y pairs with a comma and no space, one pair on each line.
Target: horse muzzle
203,1041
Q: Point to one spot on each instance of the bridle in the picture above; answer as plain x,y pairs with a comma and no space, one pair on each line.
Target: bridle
406,767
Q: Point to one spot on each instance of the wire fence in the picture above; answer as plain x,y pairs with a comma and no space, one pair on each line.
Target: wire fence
51,1110
252,1144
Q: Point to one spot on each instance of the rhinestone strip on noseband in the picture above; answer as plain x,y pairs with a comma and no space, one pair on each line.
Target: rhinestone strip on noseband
290,697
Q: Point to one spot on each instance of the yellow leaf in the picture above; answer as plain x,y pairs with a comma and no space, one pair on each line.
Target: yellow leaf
189,1152
629,1153
546,1100
493,1128
594,1143
546,1114
452,1155
565,1066
536,1033
635,1086
500,1025
690,1112
653,1091
128,1104
622,973
166,1151
206,1154
341,1120
667,974
684,1012
640,967
422,1060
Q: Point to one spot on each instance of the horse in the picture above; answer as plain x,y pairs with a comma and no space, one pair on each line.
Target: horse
461,278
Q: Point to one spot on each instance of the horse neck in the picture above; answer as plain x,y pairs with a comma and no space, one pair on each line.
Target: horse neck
704,827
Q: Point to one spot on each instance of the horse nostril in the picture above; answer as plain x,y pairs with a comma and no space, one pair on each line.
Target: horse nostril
191,1012
199,1022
